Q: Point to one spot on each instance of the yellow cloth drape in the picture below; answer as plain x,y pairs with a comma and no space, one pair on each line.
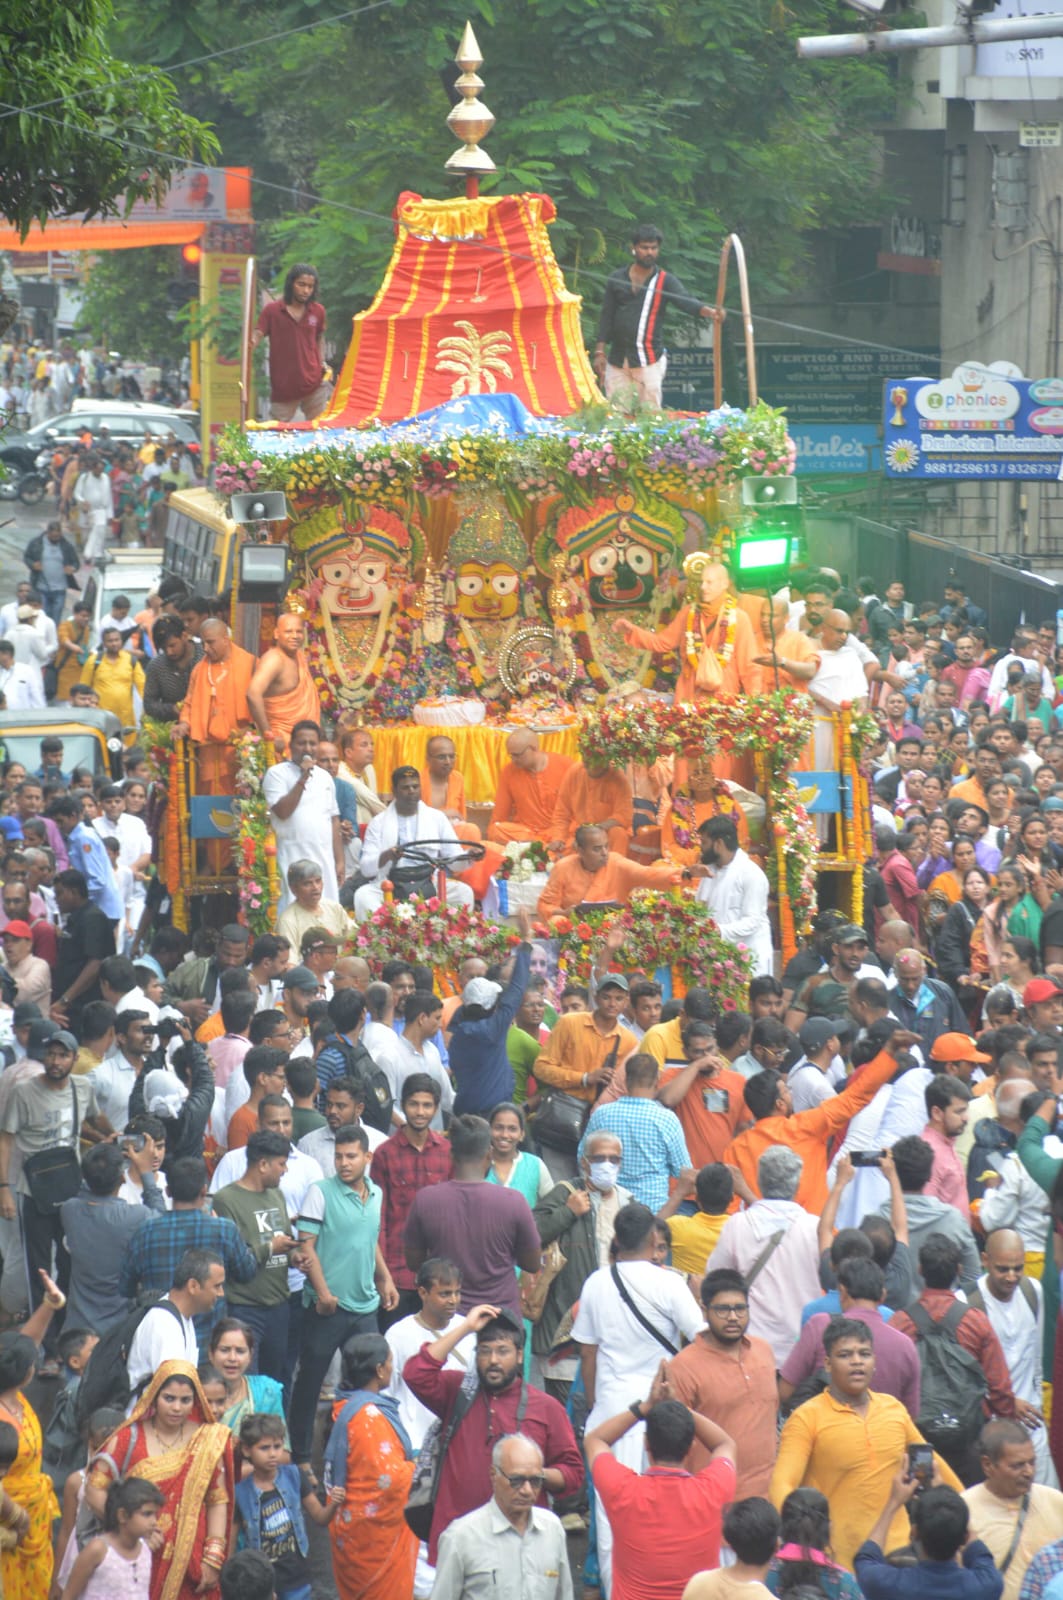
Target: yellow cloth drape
481,753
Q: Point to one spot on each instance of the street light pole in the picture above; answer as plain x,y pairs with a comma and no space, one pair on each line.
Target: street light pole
893,40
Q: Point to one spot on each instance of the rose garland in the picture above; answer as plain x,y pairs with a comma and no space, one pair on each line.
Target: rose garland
660,930
430,933
254,836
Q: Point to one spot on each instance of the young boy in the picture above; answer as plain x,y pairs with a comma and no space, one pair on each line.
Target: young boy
694,1238
271,1502
64,1448
302,1086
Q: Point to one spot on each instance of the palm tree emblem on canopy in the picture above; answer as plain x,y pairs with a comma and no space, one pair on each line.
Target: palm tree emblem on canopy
476,358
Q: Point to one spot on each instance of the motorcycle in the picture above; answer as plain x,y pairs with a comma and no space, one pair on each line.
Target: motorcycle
28,486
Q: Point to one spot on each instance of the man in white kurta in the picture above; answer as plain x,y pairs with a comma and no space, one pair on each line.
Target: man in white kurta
735,891
840,678
405,821
1014,1305
304,814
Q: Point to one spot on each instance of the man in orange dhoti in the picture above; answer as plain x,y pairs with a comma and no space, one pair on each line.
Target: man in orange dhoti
596,874
281,692
216,707
715,644
592,792
527,791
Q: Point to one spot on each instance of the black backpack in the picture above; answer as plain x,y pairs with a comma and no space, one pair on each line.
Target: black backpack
379,1101
105,1381
951,1413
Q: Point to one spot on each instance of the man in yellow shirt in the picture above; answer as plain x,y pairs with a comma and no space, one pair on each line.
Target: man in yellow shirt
114,674
664,1040
850,1444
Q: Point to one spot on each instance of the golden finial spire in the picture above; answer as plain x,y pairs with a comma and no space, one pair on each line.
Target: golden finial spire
470,121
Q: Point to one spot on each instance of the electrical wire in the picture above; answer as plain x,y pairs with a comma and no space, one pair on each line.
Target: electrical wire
199,61
390,222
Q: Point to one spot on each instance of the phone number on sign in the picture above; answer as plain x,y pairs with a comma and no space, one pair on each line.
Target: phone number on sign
990,469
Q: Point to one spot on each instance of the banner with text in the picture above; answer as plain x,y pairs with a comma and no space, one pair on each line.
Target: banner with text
975,424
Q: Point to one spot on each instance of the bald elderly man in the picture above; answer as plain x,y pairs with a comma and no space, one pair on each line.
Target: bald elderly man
527,792
596,875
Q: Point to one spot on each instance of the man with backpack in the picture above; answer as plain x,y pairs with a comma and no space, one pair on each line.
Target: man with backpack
964,1377
345,1056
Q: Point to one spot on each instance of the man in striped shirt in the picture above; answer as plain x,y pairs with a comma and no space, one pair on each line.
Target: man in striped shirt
630,348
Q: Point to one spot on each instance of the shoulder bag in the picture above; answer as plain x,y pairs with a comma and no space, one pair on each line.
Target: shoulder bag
562,1117
424,1485
622,1291
54,1175
535,1286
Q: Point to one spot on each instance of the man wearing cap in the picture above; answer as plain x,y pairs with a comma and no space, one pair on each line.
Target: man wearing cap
51,1112
923,1005
585,1051
957,1055
735,890
808,1080
1042,1001
826,994
31,976
596,875
479,1060
299,989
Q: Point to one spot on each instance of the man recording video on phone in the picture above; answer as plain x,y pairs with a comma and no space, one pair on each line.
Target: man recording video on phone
940,1526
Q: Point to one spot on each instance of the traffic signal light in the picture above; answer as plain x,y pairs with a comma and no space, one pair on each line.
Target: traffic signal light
184,285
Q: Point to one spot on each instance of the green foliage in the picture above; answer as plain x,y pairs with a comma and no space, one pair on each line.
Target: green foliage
699,117
127,304
104,133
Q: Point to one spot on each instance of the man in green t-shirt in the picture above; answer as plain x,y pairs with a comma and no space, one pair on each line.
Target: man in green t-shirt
522,1041
254,1203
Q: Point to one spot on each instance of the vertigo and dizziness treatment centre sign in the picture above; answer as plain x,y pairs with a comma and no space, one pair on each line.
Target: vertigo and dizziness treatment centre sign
978,423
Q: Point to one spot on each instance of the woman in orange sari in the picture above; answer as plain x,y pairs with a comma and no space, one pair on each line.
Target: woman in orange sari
27,1567
949,884
171,1440
374,1553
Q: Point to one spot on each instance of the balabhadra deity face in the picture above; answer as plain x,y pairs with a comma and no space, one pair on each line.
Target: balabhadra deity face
355,580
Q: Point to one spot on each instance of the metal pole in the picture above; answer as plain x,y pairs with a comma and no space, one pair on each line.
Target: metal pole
892,40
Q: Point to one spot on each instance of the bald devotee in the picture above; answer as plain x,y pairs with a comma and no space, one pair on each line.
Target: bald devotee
443,786
282,692
216,707
592,791
527,791
597,875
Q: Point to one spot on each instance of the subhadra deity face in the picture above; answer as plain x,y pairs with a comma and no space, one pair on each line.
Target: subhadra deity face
354,581
620,571
488,591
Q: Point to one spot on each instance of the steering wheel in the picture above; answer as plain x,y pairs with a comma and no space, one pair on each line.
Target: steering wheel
419,857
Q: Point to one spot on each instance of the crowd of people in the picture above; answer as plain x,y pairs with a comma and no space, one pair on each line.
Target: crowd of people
763,1296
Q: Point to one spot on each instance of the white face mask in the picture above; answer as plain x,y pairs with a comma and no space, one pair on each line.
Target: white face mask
603,1174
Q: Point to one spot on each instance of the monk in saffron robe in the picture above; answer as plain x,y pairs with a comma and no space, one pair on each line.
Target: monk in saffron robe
282,692
443,787
527,791
214,709
591,791
792,655
597,875
716,647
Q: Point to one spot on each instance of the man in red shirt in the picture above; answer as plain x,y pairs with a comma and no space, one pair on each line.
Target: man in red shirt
666,1520
897,859
295,328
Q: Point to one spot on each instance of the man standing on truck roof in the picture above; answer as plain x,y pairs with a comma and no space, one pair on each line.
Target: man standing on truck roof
295,327
281,692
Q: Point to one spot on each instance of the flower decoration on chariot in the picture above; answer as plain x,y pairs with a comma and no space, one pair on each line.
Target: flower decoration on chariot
355,556
621,547
488,556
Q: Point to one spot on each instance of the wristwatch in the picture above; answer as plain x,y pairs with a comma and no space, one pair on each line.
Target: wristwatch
636,1410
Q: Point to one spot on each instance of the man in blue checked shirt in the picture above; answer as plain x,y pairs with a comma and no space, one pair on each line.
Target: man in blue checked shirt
652,1138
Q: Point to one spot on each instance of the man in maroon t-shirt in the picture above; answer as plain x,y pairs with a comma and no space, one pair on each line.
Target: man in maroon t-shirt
295,328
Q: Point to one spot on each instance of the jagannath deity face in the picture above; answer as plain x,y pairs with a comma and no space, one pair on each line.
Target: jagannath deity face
488,591
621,570
354,580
